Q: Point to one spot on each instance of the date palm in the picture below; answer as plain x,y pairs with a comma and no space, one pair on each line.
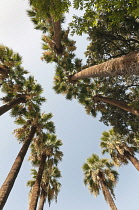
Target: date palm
98,174
32,125
46,147
121,148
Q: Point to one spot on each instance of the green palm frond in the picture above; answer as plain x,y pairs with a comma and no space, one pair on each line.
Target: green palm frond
92,169
116,145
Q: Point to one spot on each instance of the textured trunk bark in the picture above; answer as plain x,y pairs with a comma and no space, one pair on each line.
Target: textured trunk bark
120,104
11,104
42,200
57,36
106,192
36,188
124,65
132,159
9,182
108,196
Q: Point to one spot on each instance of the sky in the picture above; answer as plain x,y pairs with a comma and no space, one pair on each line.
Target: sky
79,132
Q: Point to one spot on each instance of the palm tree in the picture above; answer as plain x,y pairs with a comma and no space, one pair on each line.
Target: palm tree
124,65
118,103
49,187
44,148
48,17
98,174
10,180
120,147
36,187
17,88
33,124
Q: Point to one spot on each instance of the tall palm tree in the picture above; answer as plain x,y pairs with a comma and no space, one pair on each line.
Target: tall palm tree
10,180
124,65
121,148
44,148
33,125
50,186
98,174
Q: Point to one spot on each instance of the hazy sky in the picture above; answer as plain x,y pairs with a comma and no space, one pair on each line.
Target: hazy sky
79,132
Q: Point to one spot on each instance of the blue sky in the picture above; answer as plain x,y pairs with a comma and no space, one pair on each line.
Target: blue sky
79,132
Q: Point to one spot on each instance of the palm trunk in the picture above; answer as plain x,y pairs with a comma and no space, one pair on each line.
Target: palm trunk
9,181
132,159
11,104
124,65
106,193
57,35
120,104
36,188
108,196
42,200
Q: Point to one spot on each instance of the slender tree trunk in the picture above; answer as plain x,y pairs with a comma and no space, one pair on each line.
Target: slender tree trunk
42,200
132,159
108,196
120,104
124,65
36,188
9,181
12,104
57,35
106,192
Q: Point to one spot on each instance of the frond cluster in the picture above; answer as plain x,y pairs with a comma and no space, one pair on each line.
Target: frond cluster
98,170
118,145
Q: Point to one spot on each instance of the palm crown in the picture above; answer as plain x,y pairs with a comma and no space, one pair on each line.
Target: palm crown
94,169
116,145
50,186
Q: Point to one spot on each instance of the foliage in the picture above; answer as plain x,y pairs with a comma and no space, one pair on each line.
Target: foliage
41,23
115,10
91,170
53,8
17,85
49,144
108,39
12,61
49,184
34,117
46,145
116,145
111,26
121,88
